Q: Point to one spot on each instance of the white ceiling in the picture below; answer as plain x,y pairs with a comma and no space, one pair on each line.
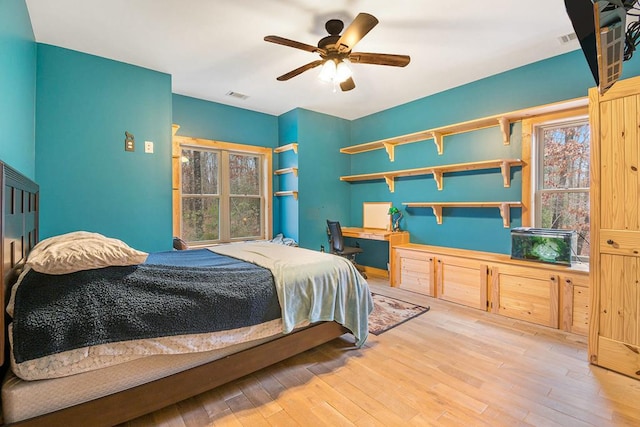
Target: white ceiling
212,47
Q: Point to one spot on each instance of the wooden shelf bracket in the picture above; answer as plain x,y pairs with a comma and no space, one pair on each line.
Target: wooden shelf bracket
390,183
391,151
438,139
437,176
505,168
505,213
505,128
437,211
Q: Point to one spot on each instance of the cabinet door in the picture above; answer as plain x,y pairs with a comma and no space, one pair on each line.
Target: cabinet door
619,314
415,271
526,294
463,281
575,304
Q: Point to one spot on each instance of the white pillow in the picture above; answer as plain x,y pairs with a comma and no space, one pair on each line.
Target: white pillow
81,250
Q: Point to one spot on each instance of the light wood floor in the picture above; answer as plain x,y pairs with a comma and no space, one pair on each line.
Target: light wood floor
453,366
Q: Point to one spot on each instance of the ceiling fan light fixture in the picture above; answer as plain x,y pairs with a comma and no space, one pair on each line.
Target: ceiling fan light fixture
328,71
343,71
335,71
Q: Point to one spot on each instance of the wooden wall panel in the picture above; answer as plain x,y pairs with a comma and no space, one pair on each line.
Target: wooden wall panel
630,165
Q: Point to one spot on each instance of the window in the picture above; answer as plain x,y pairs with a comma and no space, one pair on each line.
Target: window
222,193
560,176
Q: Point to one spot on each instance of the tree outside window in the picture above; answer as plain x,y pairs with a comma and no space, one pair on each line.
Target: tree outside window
223,192
200,195
562,190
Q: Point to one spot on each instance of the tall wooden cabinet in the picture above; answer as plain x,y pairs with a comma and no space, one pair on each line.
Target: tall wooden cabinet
614,332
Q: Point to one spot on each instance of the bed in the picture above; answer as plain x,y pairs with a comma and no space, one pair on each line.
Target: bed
318,297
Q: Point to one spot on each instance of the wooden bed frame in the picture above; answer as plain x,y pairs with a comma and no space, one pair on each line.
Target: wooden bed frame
19,203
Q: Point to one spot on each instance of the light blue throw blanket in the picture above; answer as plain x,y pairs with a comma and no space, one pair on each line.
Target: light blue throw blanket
311,286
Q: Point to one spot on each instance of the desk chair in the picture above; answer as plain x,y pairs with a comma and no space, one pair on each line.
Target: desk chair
336,243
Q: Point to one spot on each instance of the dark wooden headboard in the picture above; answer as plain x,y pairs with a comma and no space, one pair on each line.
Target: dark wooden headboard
19,200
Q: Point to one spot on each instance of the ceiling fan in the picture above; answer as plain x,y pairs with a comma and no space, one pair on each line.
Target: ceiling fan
336,50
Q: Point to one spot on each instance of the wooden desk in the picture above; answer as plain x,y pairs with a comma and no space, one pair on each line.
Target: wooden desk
393,237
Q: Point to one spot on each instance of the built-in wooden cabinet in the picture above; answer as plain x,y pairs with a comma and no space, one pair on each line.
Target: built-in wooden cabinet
462,280
614,332
414,271
525,293
545,294
574,300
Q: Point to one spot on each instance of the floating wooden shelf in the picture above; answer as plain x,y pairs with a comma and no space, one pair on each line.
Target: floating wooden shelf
293,146
438,171
504,207
285,171
286,193
438,134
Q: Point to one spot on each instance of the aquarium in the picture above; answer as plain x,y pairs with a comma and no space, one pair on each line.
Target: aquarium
544,245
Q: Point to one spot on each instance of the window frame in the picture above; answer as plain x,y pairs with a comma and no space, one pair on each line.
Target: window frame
531,167
224,148
538,173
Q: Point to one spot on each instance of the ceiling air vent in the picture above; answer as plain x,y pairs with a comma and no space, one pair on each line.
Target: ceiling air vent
567,38
237,95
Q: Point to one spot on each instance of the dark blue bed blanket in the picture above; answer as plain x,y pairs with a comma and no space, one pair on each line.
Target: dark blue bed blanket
173,293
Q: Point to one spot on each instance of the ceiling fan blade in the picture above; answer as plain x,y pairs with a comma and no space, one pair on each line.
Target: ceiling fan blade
379,59
293,43
300,70
347,84
356,31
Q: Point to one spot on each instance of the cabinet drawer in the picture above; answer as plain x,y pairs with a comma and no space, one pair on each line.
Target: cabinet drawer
620,242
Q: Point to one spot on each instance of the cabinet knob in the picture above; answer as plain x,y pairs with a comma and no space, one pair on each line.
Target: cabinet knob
610,242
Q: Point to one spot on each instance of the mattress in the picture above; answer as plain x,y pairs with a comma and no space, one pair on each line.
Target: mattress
26,399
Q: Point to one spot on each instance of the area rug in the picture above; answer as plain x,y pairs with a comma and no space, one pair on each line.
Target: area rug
390,312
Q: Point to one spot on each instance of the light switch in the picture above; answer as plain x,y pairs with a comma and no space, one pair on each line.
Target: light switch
129,142
148,146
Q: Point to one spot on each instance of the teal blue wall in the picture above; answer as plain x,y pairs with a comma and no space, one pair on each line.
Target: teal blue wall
87,180
209,120
555,79
322,195
17,87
